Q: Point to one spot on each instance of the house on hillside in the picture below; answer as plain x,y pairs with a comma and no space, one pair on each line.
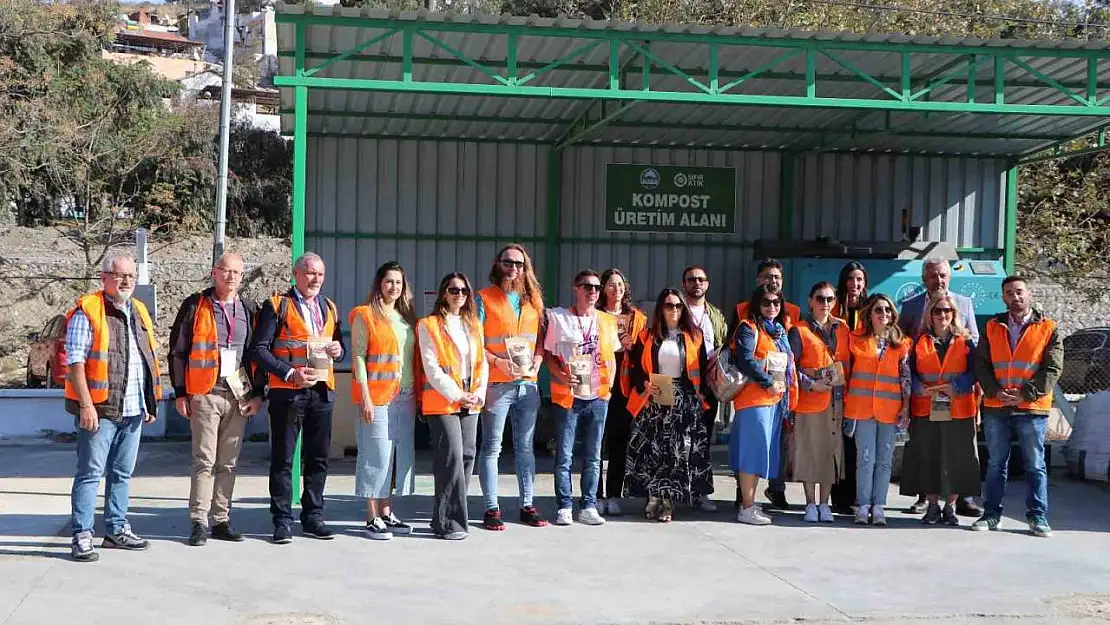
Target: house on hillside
253,31
143,37
258,107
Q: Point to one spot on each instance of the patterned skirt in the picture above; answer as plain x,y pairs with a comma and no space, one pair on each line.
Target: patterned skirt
668,451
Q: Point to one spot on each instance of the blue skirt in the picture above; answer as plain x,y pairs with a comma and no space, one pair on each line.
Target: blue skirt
754,441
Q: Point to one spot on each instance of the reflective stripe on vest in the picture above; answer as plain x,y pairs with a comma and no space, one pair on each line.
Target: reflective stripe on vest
637,400
96,362
561,394
932,372
383,358
447,353
1013,369
816,355
291,343
874,386
204,356
753,394
502,322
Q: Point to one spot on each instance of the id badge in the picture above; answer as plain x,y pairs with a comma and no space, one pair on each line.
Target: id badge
229,363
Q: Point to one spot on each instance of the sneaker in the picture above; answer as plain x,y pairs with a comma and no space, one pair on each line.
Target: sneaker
82,548
589,516
824,514
986,522
760,514
967,506
530,515
376,529
705,504
776,499
918,507
863,515
224,531
811,513
1038,526
748,516
602,506
878,516
565,516
612,507
491,520
950,517
125,539
396,526
283,535
318,530
932,515
199,535
454,536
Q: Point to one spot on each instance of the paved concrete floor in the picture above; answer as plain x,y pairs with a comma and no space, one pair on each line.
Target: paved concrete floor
703,568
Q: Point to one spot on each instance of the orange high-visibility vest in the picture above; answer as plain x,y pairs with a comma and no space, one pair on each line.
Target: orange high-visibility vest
204,354
1014,369
447,354
639,322
291,343
753,394
502,322
932,373
793,313
96,363
383,358
637,400
562,395
816,355
874,386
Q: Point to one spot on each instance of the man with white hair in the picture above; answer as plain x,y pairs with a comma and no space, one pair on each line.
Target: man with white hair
112,388
297,339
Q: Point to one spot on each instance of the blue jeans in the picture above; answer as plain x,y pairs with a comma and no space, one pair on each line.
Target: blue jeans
522,401
589,416
874,461
389,436
998,430
110,451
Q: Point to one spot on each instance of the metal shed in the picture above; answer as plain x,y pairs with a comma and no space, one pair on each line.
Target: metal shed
433,139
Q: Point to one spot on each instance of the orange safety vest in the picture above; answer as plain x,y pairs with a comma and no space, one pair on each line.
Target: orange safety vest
383,358
753,394
291,343
816,355
1014,369
561,394
637,400
204,354
502,322
447,353
639,322
932,373
874,386
793,314
96,363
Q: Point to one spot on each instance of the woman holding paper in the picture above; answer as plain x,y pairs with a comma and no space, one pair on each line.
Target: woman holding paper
820,345
878,402
668,459
944,457
616,299
761,351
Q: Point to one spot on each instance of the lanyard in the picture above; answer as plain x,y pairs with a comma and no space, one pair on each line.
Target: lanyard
585,330
317,318
230,318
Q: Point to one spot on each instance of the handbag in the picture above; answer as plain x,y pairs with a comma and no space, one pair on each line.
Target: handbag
725,380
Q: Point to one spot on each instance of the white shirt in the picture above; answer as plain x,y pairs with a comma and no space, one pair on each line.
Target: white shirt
670,358
442,383
567,331
702,320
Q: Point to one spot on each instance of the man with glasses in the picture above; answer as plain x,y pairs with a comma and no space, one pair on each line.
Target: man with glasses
580,351
510,310
714,328
207,364
112,388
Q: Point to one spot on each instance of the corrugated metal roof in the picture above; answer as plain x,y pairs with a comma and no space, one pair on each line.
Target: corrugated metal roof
657,123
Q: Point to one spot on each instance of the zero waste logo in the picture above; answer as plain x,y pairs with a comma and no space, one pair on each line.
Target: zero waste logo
908,290
649,178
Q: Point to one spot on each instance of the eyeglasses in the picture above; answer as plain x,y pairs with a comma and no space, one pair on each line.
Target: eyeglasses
698,279
883,309
229,272
673,306
937,312
825,299
458,290
508,263
767,303
121,277
590,286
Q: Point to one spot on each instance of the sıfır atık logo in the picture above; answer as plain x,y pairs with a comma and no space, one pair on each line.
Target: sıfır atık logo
649,178
907,291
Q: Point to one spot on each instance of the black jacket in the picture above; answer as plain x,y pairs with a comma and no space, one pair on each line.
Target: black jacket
639,378
181,342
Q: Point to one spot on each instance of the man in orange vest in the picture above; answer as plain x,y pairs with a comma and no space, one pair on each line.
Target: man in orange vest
297,339
112,387
207,344
1017,362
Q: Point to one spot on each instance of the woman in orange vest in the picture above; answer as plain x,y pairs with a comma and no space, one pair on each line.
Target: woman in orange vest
669,462
383,350
943,459
851,293
762,406
819,342
877,403
452,393
616,299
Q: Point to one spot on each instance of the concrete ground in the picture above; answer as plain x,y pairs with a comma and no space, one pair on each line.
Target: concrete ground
703,568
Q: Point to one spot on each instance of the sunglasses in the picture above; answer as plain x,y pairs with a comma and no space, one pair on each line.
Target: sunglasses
883,309
590,286
825,299
458,290
937,312
507,262
673,306
697,279
771,302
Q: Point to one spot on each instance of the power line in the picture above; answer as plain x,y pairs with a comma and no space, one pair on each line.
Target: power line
980,16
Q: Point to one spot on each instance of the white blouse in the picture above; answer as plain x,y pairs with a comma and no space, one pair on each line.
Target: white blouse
670,359
442,383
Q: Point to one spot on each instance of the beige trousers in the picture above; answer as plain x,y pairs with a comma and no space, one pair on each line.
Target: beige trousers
217,428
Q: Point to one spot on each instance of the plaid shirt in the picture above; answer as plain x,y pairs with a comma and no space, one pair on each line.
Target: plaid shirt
79,337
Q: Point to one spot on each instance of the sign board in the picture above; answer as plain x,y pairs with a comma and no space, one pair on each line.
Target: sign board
669,198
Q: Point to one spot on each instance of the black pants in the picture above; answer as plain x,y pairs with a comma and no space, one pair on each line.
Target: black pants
614,445
307,411
454,438
844,492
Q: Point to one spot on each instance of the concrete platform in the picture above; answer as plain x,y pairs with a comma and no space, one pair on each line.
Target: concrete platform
703,568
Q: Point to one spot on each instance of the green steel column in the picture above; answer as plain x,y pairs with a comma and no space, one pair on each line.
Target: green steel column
1010,241
300,153
551,234
787,167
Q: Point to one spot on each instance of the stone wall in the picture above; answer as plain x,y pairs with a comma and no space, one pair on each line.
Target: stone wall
1071,309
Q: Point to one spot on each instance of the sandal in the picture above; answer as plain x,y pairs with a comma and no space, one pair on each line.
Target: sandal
666,510
651,511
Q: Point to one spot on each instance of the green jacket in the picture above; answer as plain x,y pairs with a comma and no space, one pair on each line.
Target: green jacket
1044,380
720,325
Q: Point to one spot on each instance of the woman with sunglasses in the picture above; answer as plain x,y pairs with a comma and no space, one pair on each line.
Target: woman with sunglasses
616,299
851,293
878,402
456,374
668,461
763,405
943,460
819,342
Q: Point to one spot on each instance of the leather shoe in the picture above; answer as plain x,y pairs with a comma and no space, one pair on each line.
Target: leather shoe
199,535
283,535
918,507
224,531
967,506
318,530
776,499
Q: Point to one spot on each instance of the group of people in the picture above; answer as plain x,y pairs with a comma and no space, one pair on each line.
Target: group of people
823,396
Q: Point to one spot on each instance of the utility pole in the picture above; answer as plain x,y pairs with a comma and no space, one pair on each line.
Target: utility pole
225,130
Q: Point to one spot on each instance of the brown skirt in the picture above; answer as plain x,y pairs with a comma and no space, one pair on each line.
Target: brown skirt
818,449
942,458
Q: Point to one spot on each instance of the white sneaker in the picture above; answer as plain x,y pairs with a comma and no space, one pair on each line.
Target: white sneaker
589,516
706,504
565,516
613,508
863,515
602,506
824,514
811,513
751,516
878,517
760,515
